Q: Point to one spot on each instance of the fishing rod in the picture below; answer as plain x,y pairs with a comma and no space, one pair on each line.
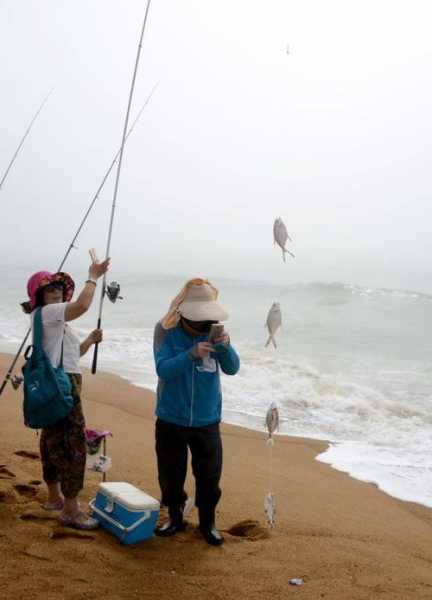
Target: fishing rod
15,381
24,138
119,165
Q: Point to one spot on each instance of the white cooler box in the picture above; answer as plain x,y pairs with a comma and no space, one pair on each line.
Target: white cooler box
125,511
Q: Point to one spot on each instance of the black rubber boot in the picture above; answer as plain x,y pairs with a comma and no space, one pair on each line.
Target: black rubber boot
208,528
172,525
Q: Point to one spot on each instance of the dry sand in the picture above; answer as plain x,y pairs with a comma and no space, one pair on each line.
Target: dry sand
346,539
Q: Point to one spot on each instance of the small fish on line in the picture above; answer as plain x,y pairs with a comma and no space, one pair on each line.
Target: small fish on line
273,322
272,421
281,236
270,509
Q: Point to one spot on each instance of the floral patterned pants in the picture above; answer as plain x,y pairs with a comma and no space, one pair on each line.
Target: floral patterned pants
63,447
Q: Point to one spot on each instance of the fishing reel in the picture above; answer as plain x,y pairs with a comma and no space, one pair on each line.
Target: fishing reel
112,290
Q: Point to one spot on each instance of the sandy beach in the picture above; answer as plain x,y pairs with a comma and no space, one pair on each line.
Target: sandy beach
345,538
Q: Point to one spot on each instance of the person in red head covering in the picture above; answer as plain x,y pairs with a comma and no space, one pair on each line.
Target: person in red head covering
62,445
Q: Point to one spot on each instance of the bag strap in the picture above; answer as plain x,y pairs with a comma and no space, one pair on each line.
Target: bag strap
37,334
37,329
61,354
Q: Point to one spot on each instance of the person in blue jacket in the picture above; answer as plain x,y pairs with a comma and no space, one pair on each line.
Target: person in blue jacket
189,404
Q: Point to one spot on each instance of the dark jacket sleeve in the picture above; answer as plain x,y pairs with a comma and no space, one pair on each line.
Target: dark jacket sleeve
228,359
168,364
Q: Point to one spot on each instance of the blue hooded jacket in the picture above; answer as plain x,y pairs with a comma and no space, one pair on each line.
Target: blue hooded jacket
188,393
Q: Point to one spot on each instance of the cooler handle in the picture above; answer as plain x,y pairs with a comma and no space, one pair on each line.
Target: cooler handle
126,530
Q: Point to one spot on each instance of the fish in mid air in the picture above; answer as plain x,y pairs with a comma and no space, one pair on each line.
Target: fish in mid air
270,509
281,236
272,420
274,321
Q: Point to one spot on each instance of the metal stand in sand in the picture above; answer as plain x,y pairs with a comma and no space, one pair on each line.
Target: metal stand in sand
94,437
104,453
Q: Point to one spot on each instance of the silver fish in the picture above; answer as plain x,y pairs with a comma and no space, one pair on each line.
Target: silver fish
280,237
272,419
270,509
274,321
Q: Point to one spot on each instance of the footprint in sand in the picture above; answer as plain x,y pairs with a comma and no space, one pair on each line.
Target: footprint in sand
60,533
25,490
27,454
249,529
5,473
6,497
35,516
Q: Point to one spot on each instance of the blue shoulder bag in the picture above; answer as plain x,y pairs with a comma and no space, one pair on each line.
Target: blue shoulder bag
47,390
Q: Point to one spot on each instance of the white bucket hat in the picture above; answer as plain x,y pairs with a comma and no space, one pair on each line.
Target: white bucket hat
196,301
200,304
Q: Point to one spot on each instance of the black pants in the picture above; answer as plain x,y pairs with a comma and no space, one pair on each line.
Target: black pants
205,444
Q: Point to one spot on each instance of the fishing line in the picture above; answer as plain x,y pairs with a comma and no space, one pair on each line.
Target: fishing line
119,165
72,244
20,145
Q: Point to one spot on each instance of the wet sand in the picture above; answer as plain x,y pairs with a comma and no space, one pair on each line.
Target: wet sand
345,538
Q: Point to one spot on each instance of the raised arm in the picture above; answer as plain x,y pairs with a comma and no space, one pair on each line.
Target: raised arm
82,303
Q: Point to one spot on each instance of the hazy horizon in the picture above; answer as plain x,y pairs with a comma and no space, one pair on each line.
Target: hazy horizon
332,136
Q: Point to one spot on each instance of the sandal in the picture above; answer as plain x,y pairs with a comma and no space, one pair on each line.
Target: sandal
79,521
56,505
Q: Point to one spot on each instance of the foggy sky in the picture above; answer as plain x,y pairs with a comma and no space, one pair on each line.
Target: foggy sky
334,137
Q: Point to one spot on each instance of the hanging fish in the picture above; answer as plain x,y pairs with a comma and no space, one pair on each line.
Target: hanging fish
113,291
270,509
272,420
280,237
273,322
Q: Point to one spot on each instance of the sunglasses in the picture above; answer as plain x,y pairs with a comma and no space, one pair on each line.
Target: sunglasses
53,287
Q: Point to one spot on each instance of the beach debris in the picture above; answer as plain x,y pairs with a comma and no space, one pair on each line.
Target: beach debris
270,509
272,421
274,321
281,236
113,291
296,581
